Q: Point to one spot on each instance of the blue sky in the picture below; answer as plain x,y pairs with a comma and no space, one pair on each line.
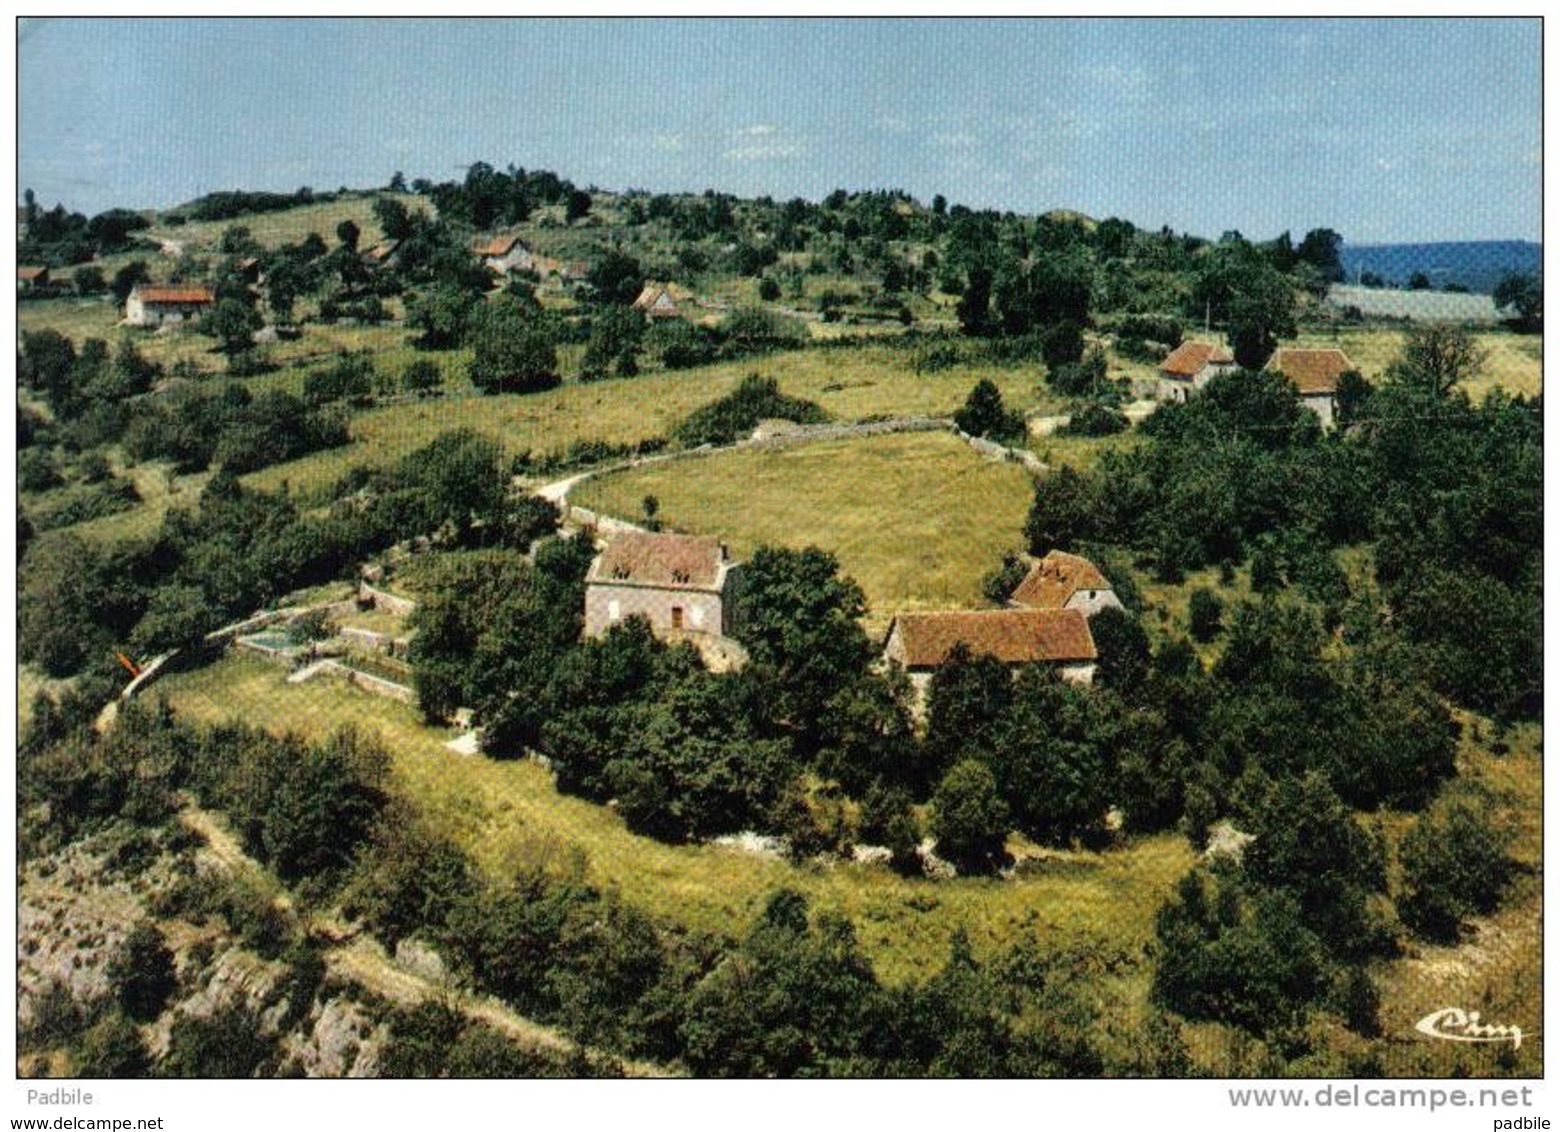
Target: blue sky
1386,130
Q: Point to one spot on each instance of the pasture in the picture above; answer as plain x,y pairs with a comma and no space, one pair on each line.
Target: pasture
1515,361
862,382
289,226
916,518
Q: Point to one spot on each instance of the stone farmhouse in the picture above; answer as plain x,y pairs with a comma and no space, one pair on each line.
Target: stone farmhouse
1314,374
503,254
1189,367
921,642
1065,581
31,279
684,584
159,306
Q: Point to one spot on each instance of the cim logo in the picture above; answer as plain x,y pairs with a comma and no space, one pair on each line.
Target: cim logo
1453,1025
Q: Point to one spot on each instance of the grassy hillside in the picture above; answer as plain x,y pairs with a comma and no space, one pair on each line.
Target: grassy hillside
869,381
915,518
1515,360
503,812
288,226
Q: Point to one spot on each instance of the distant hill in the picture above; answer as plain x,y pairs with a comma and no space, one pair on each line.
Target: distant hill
1477,265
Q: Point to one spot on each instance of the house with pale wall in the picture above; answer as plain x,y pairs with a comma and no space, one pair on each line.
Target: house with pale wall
681,583
1189,367
1315,375
158,306
1065,581
503,254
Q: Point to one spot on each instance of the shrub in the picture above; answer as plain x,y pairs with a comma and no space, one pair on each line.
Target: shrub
983,414
1206,611
141,971
736,414
421,377
1454,865
1095,419
969,818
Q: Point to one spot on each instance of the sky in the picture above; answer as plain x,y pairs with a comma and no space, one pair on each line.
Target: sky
1385,130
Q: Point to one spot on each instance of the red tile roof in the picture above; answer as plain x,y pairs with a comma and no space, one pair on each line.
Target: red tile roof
1190,358
1055,578
1013,636
495,246
31,273
1311,371
662,560
175,294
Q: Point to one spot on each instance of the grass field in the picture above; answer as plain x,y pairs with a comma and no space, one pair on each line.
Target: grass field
289,226
1515,360
80,319
504,812
917,518
849,385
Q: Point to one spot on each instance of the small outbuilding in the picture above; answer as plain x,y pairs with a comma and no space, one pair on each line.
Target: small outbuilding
1189,367
503,254
161,306
661,300
1065,581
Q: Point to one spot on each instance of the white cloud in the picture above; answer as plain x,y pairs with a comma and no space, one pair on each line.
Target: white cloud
771,151
757,130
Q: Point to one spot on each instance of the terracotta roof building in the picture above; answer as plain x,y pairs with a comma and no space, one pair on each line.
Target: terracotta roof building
1314,374
660,300
31,278
1065,581
1189,367
681,583
503,254
921,642
154,306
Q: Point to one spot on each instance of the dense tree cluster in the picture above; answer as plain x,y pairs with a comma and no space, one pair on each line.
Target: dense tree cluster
242,547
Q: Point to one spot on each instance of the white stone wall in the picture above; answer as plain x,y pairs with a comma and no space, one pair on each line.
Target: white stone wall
606,605
1322,405
1092,601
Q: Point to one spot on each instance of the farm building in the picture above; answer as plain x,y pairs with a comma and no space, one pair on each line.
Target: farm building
1314,374
503,254
921,642
31,279
1189,367
382,254
1065,581
681,583
157,306
662,300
